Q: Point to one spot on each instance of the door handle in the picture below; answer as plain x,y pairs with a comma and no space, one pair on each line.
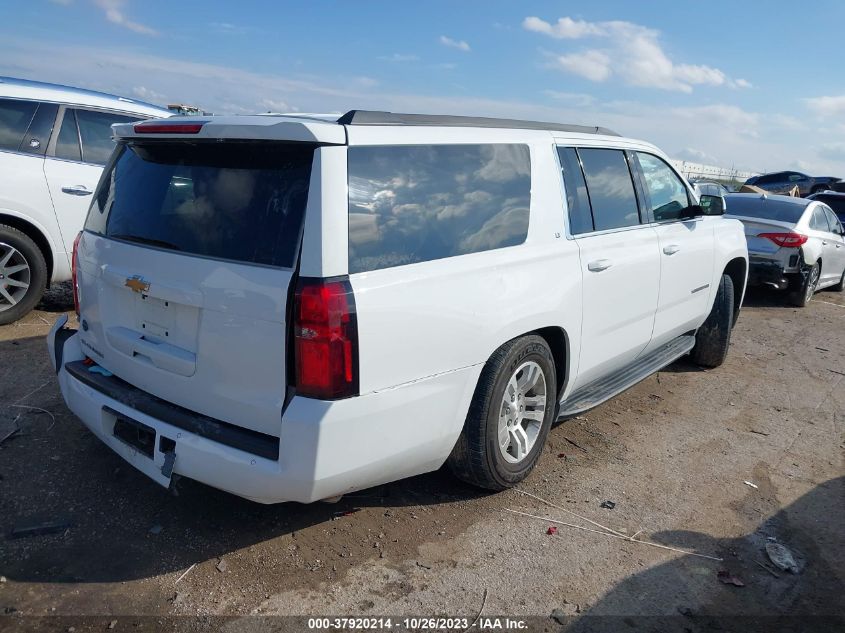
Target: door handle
599,265
671,249
77,190
824,243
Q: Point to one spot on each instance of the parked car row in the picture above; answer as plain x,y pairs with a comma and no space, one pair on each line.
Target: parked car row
785,181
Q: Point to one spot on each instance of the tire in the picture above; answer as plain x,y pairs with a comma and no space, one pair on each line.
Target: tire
16,250
801,295
714,336
479,457
841,285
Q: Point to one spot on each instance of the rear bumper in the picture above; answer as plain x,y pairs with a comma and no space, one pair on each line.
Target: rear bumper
325,448
766,272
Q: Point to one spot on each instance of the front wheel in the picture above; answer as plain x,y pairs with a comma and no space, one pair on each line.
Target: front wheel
23,274
714,336
510,416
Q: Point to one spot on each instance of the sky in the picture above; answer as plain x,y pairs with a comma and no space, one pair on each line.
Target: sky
751,85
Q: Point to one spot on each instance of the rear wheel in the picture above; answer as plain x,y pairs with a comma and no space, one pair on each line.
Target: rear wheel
841,285
806,288
510,416
714,336
23,274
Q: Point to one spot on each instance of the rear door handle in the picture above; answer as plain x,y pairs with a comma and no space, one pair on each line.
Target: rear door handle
599,265
671,249
77,190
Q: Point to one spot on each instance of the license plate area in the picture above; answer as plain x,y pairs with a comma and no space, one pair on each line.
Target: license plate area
133,433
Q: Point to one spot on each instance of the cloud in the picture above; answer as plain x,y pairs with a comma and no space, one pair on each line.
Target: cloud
696,156
832,151
827,106
114,14
274,105
399,58
459,44
593,65
743,83
148,95
565,28
574,99
730,116
632,53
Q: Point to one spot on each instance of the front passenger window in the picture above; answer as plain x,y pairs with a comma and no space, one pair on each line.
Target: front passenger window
666,194
610,187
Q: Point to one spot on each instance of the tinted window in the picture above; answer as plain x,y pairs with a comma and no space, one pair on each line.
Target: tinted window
577,200
412,204
238,201
750,206
611,189
819,221
15,117
666,194
67,142
38,135
767,180
95,132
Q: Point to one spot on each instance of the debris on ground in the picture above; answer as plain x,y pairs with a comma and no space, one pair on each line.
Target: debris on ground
38,527
8,428
2,579
575,444
222,565
608,504
728,578
782,558
156,529
185,573
112,624
748,483
686,612
552,530
419,564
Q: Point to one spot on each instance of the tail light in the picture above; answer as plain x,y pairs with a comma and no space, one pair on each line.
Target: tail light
325,339
74,266
785,240
168,128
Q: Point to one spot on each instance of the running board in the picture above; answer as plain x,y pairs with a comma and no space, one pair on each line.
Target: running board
603,389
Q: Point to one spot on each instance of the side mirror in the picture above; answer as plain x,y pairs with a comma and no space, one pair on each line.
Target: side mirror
712,205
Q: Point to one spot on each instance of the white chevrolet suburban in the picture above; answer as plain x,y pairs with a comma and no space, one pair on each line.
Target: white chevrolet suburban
293,308
54,141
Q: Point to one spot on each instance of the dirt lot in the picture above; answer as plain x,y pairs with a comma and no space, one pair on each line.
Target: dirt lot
673,454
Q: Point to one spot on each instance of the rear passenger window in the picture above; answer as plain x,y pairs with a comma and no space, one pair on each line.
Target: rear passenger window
611,188
15,117
95,133
818,221
418,203
577,200
67,143
833,221
666,194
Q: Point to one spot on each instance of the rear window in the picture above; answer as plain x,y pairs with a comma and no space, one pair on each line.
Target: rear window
752,207
236,201
15,117
418,203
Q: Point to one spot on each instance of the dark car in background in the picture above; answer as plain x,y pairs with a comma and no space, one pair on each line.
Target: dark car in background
835,200
784,181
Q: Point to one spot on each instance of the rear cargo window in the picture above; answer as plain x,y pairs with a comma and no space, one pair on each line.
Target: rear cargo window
237,201
748,205
418,203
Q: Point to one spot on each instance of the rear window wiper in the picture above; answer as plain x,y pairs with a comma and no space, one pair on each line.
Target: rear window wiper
146,240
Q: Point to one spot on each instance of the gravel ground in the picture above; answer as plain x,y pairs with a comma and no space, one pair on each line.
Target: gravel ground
676,455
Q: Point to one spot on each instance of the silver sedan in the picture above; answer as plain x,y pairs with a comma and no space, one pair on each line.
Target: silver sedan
793,243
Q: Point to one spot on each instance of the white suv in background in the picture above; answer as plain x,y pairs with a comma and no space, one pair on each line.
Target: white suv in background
54,141
289,308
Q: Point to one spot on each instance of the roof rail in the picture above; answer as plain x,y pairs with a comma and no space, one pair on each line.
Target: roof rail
375,117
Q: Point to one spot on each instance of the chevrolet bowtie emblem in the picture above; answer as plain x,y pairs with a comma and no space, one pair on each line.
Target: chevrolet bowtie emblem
137,284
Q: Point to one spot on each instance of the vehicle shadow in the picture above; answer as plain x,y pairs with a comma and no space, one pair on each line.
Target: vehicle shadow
122,526
690,596
759,297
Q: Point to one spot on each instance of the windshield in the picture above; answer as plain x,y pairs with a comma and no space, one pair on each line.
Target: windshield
237,201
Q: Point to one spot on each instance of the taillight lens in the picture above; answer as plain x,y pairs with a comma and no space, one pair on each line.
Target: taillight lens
74,267
785,240
325,339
